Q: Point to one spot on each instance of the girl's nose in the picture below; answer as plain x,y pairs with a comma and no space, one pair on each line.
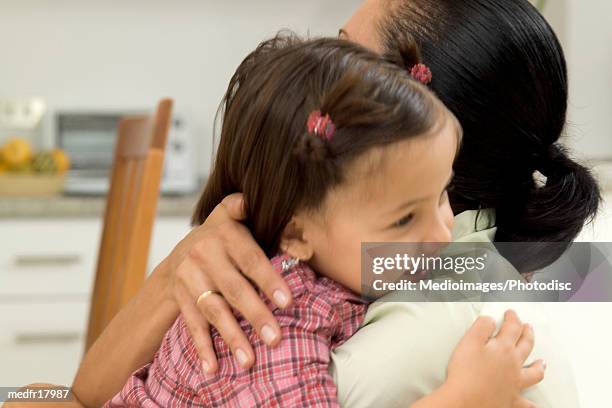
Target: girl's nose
439,234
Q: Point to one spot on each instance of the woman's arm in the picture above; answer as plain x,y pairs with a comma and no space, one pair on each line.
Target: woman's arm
133,336
129,341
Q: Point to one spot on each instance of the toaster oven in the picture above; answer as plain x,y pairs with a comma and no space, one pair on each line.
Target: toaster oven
89,139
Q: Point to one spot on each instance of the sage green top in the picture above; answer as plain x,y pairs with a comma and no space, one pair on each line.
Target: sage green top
401,352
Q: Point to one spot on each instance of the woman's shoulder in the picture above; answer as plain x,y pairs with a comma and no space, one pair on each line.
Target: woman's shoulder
408,346
400,353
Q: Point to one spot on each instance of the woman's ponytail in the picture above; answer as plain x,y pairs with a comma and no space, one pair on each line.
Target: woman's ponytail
552,213
557,210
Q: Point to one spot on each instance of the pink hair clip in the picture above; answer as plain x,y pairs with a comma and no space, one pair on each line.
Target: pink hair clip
421,73
320,125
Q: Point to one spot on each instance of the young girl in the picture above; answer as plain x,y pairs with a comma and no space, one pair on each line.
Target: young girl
332,147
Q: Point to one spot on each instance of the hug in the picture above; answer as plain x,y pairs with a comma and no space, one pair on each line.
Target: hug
424,122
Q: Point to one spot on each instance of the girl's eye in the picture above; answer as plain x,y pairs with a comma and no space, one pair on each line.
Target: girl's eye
403,221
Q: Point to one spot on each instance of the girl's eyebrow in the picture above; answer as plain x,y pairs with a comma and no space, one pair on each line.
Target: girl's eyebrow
415,201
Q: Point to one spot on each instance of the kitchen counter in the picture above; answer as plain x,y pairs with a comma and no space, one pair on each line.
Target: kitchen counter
84,206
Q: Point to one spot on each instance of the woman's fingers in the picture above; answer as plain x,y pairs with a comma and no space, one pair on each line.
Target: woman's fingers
234,206
224,258
215,257
215,311
532,374
255,265
239,247
199,329
511,328
525,344
239,293
218,313
230,209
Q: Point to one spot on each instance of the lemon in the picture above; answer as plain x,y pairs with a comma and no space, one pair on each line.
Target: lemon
17,153
3,165
62,160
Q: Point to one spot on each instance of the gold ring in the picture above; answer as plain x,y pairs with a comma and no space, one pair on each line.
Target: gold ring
207,294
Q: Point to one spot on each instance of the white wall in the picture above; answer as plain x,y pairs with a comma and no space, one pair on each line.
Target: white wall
586,33
127,54
585,29
119,54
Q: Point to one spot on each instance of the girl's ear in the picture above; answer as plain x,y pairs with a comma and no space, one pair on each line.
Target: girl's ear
294,242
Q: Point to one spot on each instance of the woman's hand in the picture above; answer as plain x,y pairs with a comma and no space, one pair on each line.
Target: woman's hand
487,371
221,255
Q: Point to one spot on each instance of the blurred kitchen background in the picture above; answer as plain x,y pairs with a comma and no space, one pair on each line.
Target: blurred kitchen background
71,68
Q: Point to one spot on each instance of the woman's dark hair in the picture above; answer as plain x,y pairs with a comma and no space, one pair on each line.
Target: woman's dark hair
498,66
265,150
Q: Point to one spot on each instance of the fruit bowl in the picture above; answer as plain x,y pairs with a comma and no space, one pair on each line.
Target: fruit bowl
31,184
26,173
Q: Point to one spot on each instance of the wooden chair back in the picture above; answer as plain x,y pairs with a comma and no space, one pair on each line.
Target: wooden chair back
130,211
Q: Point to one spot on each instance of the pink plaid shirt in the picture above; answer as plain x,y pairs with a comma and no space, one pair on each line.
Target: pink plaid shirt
324,314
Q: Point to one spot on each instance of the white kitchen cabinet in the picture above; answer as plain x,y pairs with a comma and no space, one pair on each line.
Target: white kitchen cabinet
47,268
48,258
41,342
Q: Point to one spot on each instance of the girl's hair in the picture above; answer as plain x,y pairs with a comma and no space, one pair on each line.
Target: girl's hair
498,66
265,150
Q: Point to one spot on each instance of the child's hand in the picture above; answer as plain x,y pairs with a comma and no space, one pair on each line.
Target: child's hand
487,371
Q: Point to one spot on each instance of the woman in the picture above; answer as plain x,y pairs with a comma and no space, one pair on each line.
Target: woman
499,68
